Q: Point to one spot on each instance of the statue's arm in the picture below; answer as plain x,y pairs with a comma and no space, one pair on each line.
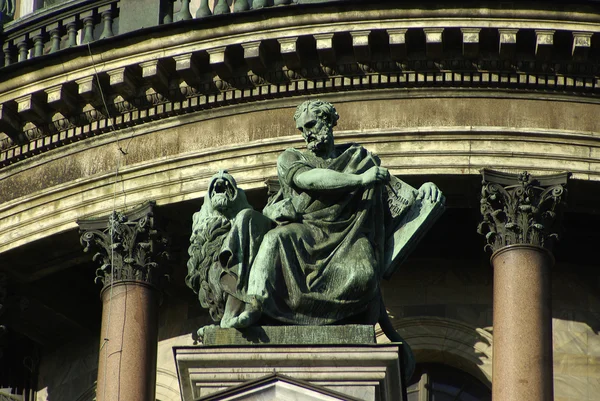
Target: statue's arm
330,180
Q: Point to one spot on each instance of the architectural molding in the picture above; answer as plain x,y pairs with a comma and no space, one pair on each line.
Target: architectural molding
167,386
178,73
3,307
148,107
185,176
448,341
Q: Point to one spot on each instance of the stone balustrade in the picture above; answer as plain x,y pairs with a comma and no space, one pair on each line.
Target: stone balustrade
298,53
55,29
84,21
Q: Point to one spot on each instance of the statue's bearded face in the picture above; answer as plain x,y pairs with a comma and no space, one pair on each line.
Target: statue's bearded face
316,130
222,193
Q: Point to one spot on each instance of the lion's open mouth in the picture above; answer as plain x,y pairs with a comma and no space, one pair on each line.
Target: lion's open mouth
222,193
222,186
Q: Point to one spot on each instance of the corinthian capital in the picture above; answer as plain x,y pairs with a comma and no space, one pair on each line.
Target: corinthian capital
127,245
521,209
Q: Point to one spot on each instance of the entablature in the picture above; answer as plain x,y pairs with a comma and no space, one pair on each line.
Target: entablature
199,64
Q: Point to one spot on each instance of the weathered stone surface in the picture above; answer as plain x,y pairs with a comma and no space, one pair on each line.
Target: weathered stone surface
290,335
137,14
438,135
366,372
522,364
279,387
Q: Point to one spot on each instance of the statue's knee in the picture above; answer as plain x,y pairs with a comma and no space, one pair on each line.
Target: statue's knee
272,237
244,214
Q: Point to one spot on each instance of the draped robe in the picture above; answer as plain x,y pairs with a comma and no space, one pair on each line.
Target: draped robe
322,263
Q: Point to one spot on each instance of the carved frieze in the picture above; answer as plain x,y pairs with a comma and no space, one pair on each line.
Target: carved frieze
128,245
521,209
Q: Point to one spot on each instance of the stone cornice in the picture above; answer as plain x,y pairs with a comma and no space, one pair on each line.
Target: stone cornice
560,136
140,110
301,53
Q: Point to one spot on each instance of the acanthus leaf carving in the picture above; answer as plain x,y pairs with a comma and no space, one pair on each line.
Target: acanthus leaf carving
521,209
128,247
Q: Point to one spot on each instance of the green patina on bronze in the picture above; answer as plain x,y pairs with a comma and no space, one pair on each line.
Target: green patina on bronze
338,225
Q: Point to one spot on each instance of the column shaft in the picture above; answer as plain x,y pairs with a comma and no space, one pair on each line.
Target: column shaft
522,363
128,343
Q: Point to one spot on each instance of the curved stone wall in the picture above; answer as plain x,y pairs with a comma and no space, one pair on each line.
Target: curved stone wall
179,68
171,160
152,114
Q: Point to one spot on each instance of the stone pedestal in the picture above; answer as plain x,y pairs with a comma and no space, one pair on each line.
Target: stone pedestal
522,364
334,371
129,338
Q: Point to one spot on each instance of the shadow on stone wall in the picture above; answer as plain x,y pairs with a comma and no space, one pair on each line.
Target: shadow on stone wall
69,372
576,332
449,342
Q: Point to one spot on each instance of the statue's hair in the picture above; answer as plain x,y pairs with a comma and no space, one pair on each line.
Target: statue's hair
322,109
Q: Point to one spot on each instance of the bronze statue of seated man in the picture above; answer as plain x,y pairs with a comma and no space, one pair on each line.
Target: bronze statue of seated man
321,247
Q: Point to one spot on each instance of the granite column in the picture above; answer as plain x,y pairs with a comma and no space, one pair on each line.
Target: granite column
129,250
520,216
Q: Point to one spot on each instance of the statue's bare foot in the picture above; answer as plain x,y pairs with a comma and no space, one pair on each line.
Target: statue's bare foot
200,332
247,318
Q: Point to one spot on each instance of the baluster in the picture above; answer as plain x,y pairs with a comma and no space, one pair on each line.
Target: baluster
168,11
38,42
55,37
184,14
259,4
221,8
8,54
106,13
23,46
71,24
240,5
203,10
88,26
72,30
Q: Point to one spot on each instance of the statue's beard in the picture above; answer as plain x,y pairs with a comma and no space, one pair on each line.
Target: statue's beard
319,143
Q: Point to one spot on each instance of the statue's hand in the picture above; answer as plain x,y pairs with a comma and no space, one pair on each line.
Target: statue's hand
429,191
375,175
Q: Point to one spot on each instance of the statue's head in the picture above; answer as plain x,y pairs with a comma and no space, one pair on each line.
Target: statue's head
316,119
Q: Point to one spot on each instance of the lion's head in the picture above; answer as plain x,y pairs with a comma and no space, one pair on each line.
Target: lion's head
224,197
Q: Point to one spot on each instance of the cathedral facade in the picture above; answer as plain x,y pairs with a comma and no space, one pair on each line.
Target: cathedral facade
131,106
